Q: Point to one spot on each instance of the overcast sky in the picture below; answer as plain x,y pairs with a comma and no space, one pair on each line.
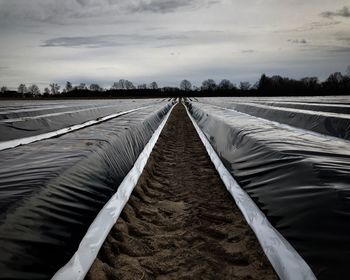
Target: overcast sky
102,41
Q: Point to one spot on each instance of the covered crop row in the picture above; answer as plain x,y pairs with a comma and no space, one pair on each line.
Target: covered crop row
299,180
22,120
332,120
52,190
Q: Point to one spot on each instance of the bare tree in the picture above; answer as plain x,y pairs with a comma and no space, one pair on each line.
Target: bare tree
82,86
335,78
195,88
310,82
3,89
95,87
55,88
142,86
46,92
244,85
123,84
153,85
69,86
129,85
208,85
22,89
226,85
34,90
185,85
115,85
348,71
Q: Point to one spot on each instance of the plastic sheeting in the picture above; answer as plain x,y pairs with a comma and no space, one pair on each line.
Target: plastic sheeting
27,121
299,180
285,260
89,247
27,140
328,119
52,190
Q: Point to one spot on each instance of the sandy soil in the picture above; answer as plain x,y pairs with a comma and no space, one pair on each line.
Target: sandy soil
180,222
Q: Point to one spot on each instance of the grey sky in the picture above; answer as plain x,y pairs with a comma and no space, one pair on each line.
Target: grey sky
103,41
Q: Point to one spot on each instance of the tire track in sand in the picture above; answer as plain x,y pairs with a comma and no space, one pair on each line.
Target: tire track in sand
180,222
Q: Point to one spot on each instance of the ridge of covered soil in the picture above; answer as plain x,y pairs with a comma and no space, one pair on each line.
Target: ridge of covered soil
180,221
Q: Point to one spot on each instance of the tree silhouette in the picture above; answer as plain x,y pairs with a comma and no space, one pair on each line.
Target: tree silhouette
115,85
55,88
244,86
348,71
226,85
123,84
3,89
46,92
82,86
310,83
208,85
153,86
22,89
34,90
142,86
69,86
95,87
129,85
185,85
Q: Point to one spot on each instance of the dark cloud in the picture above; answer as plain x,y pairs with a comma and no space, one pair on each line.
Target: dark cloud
171,37
345,39
344,12
87,42
156,40
339,49
315,25
57,11
297,41
162,6
97,41
111,40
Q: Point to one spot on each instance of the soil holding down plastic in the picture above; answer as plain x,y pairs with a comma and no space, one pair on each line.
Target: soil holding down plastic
180,222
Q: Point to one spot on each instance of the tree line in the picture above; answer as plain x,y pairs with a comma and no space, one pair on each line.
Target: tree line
336,83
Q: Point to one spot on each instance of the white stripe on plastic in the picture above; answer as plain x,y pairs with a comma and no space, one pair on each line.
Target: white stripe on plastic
286,261
27,140
80,263
281,125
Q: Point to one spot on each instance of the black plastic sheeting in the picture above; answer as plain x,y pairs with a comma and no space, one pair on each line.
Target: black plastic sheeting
300,181
303,116
51,191
332,108
21,119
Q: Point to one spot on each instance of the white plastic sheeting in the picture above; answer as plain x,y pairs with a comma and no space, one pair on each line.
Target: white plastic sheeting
80,263
286,261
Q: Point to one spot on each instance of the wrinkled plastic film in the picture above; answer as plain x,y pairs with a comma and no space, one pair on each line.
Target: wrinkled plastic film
285,260
321,118
24,122
27,140
52,190
299,180
89,247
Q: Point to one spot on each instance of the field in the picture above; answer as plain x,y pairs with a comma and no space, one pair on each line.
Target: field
127,188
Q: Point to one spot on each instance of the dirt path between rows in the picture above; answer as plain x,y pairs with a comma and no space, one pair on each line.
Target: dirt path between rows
180,222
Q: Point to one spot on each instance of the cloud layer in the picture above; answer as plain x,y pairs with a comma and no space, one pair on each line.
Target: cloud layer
168,40
344,12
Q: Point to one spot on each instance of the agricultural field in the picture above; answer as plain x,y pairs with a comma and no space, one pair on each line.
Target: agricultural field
227,188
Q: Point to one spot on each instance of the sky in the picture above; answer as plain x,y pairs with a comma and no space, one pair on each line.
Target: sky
102,41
